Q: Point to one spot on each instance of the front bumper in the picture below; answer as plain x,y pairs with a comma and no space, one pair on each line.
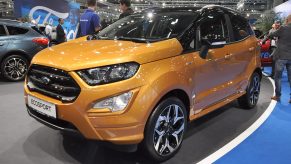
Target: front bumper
125,127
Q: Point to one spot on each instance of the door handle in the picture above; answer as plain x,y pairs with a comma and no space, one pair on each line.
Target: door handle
1,44
251,49
227,56
189,63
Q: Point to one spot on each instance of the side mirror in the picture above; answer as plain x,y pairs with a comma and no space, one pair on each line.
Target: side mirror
92,37
207,44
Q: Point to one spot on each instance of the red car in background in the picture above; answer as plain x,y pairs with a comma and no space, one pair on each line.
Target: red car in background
266,49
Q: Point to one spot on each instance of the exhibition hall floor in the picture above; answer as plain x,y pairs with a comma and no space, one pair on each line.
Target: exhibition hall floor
271,143
24,140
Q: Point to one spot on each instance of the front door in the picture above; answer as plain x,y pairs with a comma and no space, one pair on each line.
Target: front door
211,74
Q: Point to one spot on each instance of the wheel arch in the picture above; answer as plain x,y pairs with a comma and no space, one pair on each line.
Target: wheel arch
181,95
259,71
16,52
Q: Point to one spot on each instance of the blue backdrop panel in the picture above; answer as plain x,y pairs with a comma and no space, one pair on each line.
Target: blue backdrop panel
283,10
49,11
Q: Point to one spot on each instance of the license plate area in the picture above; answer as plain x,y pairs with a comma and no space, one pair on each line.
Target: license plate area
42,107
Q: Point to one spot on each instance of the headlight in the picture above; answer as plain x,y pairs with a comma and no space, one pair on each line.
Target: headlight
108,74
115,104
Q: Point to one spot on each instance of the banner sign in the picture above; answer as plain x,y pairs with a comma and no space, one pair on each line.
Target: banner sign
283,10
49,11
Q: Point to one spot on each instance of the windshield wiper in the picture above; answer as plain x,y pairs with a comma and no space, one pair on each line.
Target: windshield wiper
138,40
95,37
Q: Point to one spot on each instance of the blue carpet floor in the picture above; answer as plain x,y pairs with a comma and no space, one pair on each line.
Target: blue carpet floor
270,143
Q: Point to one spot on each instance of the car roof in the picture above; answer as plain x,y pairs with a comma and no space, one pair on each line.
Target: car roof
177,9
15,23
190,9
9,21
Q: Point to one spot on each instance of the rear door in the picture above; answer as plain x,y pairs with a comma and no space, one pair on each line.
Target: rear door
3,40
242,51
19,41
16,37
208,76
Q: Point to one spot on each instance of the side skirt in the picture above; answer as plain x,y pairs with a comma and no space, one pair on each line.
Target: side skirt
215,106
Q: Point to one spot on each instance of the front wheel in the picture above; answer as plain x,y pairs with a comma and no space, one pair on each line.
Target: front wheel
165,129
250,99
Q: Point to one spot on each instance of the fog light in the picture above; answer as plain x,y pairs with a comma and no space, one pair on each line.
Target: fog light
115,104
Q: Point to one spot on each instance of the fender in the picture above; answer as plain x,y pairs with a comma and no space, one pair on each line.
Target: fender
158,88
16,52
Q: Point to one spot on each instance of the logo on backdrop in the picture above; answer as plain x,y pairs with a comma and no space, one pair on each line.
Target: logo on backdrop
49,11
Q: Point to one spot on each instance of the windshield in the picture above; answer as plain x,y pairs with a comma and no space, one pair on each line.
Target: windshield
149,27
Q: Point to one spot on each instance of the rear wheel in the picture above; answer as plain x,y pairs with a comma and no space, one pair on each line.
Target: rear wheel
165,129
14,67
250,99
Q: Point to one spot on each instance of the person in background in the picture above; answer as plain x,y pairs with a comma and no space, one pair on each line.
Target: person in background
34,23
283,56
274,40
48,31
124,6
61,35
90,21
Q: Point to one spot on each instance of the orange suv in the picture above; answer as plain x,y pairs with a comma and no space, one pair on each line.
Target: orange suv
143,78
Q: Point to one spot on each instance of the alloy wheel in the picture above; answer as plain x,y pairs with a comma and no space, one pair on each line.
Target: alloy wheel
169,130
15,68
255,90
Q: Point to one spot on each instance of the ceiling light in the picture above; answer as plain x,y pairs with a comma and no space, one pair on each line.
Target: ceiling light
150,15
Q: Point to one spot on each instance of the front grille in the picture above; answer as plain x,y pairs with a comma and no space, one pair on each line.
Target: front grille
52,82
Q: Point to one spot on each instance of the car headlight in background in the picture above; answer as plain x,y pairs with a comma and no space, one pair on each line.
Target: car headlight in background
115,104
108,74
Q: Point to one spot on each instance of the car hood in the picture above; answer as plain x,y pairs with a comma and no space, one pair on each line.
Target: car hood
80,54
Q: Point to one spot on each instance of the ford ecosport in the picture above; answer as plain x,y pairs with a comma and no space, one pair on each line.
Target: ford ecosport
143,78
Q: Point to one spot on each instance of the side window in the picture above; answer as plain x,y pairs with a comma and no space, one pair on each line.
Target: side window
240,27
2,31
16,30
188,39
214,29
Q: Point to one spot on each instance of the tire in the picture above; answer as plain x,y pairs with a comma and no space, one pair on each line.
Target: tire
165,130
14,67
250,99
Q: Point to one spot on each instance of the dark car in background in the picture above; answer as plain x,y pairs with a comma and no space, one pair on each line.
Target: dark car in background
19,42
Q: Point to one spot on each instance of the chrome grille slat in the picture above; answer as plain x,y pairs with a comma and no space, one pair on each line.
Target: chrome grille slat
56,77
52,82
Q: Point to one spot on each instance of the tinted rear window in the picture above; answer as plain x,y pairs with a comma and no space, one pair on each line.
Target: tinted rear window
2,31
16,30
36,29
